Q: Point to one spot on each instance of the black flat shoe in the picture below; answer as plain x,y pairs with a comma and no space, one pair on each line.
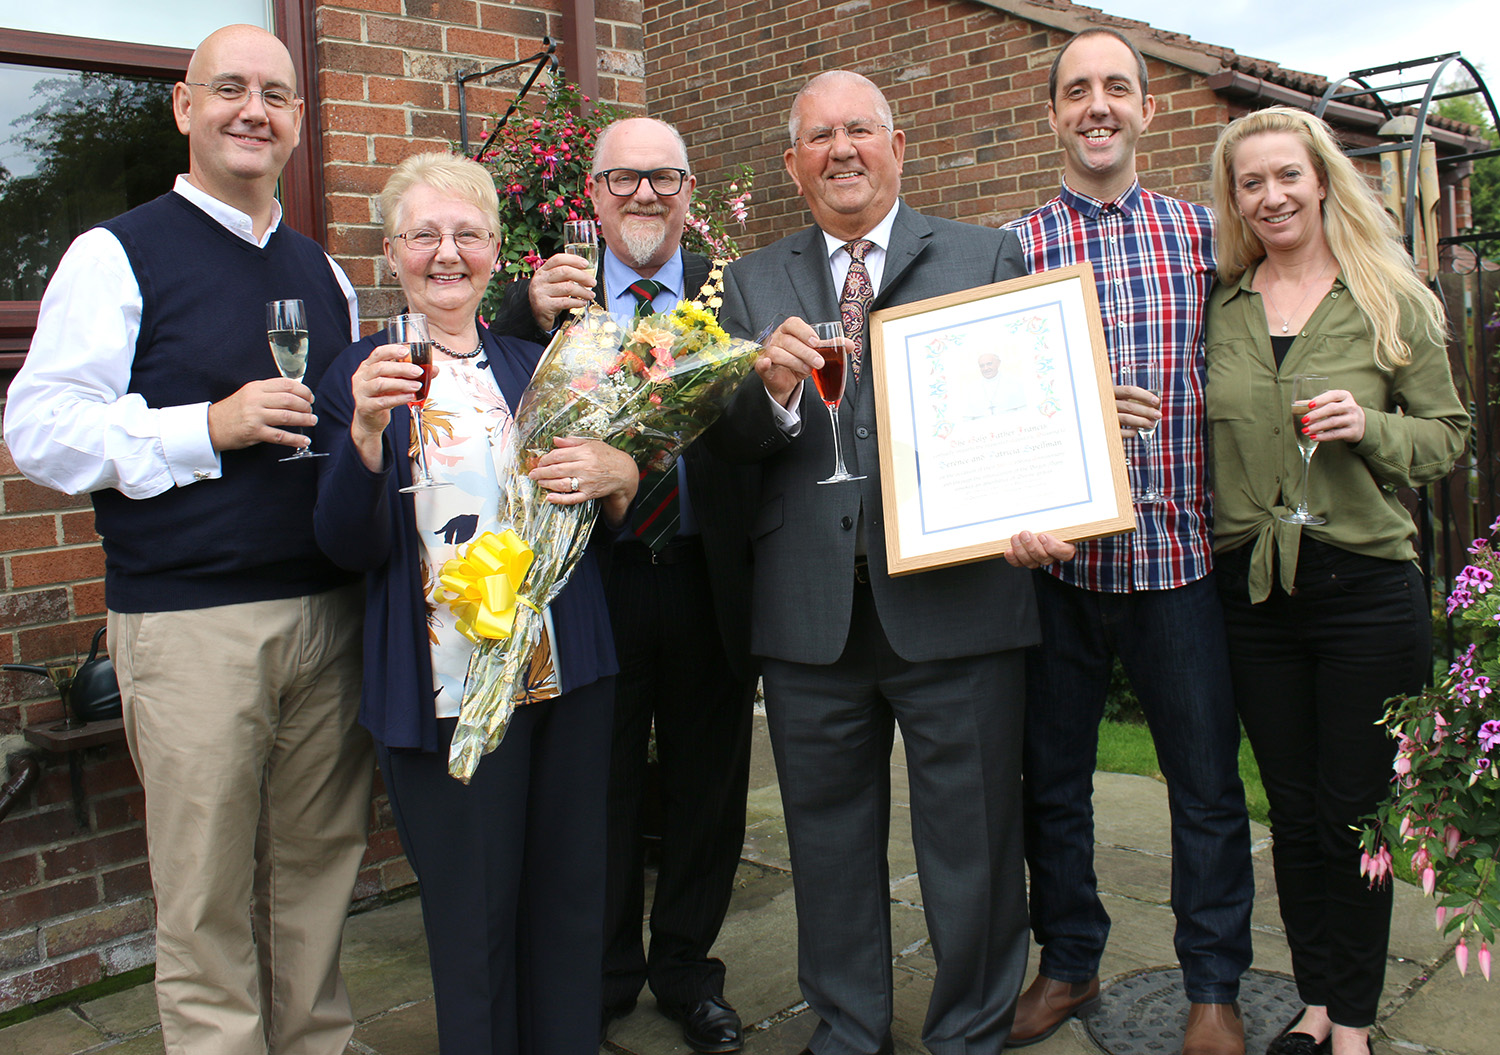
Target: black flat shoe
1290,1043
710,1026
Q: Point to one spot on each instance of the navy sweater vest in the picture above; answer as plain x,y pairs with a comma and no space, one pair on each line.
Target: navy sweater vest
248,535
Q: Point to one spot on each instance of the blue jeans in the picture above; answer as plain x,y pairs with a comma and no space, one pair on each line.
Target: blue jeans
1171,644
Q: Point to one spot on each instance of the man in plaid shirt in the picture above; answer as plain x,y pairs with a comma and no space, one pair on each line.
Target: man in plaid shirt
1147,597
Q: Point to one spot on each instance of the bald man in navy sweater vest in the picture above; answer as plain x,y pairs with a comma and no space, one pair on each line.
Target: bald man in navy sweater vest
150,385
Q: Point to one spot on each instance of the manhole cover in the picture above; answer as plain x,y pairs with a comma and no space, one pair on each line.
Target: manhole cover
1146,1013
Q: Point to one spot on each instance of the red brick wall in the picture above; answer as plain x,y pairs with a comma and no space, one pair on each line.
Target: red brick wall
968,85
75,903
386,80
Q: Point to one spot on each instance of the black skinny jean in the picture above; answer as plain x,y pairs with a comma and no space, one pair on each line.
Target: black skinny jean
1312,671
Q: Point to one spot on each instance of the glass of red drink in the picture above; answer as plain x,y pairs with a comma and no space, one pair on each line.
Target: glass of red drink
411,330
830,379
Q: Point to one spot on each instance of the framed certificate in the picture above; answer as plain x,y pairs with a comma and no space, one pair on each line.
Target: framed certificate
996,414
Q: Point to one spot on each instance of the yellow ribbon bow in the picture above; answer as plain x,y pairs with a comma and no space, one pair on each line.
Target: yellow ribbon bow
484,581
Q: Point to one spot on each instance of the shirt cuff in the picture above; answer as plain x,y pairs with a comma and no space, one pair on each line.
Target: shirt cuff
789,421
186,445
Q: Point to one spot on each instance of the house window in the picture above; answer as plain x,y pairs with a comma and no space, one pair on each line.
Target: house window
76,147
86,130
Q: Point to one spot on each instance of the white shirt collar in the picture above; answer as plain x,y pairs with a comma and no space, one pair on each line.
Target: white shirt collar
230,218
880,234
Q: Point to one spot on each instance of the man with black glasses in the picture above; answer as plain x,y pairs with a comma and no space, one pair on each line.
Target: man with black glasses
678,588
150,384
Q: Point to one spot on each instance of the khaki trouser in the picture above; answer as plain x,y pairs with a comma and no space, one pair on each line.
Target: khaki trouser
241,721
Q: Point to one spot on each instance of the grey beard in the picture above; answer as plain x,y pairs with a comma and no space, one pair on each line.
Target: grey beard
640,244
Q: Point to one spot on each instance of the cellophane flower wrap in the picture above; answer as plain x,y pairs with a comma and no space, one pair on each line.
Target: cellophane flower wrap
1444,808
649,390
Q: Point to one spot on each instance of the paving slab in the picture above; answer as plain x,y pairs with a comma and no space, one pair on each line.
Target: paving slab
50,1034
385,958
123,1013
1449,1013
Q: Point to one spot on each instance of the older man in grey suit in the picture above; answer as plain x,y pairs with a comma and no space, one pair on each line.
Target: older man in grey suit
851,652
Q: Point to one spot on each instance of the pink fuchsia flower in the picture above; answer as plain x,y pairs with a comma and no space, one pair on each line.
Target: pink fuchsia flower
1402,765
1429,880
1489,735
1451,839
1461,954
1442,917
1377,865
1484,959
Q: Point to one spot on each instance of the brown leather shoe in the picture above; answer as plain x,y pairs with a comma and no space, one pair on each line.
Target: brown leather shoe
1047,1004
1214,1029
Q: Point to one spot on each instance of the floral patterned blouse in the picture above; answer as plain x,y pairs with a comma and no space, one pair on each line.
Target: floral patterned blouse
467,429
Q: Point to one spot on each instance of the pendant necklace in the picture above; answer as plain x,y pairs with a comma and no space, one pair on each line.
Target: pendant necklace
1286,321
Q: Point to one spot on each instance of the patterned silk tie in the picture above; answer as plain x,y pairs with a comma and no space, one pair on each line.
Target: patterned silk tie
656,506
854,306
644,289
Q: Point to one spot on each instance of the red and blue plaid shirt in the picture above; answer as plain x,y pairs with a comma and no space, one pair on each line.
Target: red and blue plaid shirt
1153,259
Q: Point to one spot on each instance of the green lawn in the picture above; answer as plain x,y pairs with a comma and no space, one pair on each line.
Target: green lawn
1126,747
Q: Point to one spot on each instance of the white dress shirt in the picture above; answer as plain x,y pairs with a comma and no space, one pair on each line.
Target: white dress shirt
70,421
789,418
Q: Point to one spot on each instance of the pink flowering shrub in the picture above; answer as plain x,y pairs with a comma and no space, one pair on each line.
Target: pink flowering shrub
1444,807
542,160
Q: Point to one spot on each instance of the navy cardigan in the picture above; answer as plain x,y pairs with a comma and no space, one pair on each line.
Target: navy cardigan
364,524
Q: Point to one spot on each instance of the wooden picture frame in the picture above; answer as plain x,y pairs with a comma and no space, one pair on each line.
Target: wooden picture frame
996,414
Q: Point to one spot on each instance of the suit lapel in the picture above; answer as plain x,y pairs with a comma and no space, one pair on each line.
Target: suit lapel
808,269
910,236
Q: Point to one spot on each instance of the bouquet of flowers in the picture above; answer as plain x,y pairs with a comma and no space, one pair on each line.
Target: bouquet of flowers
649,390
1444,807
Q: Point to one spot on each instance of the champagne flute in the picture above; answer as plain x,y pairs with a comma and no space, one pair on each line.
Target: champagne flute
286,329
1305,387
830,379
1145,375
581,238
411,330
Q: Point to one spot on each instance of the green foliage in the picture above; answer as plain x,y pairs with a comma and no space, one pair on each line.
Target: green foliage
1126,747
542,161
1484,184
1444,808
1120,702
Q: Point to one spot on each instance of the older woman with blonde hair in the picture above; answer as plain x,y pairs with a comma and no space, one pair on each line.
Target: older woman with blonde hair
1327,614
510,866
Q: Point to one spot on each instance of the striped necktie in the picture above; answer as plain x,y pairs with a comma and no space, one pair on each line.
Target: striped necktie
854,305
643,289
656,506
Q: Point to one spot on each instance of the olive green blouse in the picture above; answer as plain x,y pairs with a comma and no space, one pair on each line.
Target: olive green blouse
1415,427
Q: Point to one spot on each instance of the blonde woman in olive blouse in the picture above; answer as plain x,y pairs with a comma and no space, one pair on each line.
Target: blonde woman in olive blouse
1325,621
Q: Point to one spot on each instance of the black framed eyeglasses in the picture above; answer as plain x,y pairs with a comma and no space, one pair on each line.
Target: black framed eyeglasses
235,94
425,240
623,183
